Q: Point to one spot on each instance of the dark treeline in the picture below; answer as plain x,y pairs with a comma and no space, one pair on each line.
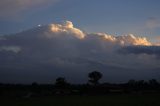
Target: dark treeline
92,87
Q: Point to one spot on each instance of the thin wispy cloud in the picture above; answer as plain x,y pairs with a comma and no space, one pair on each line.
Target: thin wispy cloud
12,8
153,23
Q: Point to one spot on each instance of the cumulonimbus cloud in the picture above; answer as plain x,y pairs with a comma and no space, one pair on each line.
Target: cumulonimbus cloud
67,28
62,49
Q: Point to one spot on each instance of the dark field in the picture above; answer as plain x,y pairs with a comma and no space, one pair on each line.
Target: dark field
107,100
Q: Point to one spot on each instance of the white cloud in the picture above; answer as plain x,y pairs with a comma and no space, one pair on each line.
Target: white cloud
68,28
126,40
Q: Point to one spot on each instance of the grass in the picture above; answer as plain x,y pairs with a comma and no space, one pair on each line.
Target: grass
108,100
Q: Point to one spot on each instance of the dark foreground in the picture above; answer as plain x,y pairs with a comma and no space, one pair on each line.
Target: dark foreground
107,100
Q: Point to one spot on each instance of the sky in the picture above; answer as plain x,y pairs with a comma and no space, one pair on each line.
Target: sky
118,17
41,40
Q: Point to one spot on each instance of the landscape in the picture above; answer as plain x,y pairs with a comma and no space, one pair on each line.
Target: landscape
79,52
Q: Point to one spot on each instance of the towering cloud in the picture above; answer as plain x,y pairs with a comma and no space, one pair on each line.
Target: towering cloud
46,52
67,27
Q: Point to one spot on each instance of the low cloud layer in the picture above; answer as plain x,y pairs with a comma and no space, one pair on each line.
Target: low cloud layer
14,49
54,50
150,50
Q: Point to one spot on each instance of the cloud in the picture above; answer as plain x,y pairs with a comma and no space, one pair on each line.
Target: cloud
153,23
150,50
14,7
67,27
126,40
45,52
14,49
156,40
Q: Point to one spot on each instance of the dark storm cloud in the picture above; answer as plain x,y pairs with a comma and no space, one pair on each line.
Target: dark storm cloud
150,50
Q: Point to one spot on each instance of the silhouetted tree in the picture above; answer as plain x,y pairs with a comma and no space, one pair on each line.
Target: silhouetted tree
154,83
132,82
34,84
141,82
94,77
61,82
